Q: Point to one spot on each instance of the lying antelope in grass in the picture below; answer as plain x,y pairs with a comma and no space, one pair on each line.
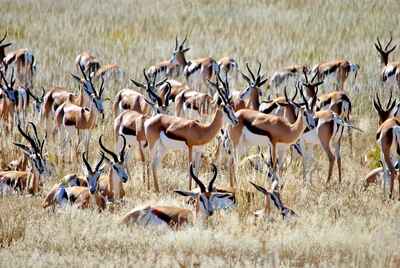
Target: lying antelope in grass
165,133
390,70
339,70
37,168
71,117
197,72
129,99
88,62
376,176
176,217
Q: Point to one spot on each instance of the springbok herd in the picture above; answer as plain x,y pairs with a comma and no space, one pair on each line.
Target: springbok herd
293,115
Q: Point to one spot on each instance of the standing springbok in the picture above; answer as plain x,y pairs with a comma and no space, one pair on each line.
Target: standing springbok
176,217
390,70
253,90
70,117
339,70
88,62
19,180
165,133
129,99
8,102
197,72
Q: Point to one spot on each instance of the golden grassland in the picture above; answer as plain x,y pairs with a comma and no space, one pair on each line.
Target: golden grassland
338,226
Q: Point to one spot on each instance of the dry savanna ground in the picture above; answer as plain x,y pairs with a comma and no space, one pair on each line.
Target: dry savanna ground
338,226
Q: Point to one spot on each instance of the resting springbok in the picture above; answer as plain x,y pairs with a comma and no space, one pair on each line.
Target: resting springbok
287,74
129,99
19,180
339,70
130,125
176,217
165,133
70,117
88,62
197,72
80,196
390,70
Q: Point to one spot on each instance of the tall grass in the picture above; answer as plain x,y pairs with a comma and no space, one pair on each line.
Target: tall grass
338,225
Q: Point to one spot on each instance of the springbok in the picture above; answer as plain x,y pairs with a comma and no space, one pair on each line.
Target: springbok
8,102
3,47
176,88
165,133
109,72
112,186
190,100
339,70
376,176
197,72
253,90
130,125
70,117
392,109
176,217
38,101
390,70
287,74
228,66
129,99
81,196
18,180
88,62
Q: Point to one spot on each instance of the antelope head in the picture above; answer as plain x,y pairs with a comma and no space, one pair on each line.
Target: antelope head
116,161
35,151
255,82
311,86
384,52
178,55
205,200
225,99
8,87
38,100
92,176
151,88
309,107
385,113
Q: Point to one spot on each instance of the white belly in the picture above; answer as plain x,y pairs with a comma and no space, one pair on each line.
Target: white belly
171,144
250,138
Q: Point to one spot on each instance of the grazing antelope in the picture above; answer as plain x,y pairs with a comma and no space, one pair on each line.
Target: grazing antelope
339,70
253,90
112,186
165,133
190,100
176,217
82,196
70,117
197,72
290,73
88,62
228,66
19,180
256,128
129,99
392,109
130,125
387,136
390,70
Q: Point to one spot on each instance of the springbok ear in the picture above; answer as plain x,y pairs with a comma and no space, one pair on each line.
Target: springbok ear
185,193
138,84
186,50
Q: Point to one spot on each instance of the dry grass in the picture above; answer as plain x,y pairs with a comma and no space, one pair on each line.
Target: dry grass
338,226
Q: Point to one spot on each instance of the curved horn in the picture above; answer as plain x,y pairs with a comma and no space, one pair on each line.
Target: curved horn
176,42
114,156
82,71
251,73
4,37
390,100
88,167
101,90
167,94
43,93
285,94
211,183
122,152
259,188
196,179
98,166
28,138
390,41
38,142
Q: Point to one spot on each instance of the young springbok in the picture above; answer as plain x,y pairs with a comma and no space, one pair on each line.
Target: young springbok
390,70
176,217
165,133
19,180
